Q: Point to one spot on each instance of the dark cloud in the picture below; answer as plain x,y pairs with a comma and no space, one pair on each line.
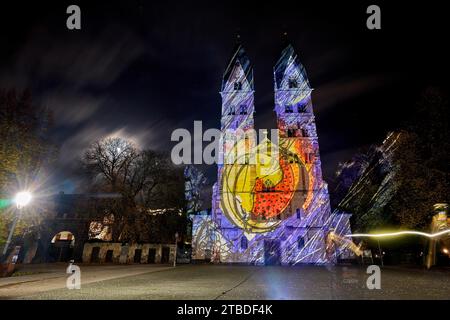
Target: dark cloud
71,108
142,69
331,93
86,61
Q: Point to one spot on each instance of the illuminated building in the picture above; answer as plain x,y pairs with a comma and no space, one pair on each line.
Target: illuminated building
270,204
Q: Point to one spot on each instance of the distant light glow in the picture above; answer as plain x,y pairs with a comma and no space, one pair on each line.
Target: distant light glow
445,250
5,203
399,233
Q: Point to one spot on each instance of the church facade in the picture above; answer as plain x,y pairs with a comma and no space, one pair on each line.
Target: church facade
270,204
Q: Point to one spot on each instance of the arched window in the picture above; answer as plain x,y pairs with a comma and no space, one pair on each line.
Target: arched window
301,108
290,133
306,156
304,133
293,83
300,242
244,243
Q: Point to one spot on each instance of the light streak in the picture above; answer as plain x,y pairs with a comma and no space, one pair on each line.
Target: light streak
399,233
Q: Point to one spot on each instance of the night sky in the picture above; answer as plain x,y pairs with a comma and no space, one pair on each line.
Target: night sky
141,69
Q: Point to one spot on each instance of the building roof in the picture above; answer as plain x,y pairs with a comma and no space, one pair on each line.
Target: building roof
288,56
239,57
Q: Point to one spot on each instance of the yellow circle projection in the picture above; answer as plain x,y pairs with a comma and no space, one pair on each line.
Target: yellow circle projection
258,185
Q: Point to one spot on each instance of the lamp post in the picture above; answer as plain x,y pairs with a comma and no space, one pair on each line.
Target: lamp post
21,199
176,248
439,222
380,253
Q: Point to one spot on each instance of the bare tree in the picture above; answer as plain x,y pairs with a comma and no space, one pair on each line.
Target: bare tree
146,181
109,163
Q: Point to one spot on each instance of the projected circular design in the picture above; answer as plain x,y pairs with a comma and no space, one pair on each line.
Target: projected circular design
257,191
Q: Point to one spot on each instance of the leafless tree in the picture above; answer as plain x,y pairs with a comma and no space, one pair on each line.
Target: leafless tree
142,184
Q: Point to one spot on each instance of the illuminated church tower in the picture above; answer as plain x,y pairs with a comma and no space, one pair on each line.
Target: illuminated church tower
238,108
237,93
310,205
270,204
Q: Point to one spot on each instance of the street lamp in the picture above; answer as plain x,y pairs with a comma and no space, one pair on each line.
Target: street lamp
21,199
176,247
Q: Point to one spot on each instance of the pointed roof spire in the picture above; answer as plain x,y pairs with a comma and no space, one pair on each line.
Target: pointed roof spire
239,57
288,57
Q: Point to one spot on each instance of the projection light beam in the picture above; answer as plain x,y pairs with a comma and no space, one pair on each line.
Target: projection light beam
399,233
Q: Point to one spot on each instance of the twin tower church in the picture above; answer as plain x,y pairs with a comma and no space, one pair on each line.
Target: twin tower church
275,210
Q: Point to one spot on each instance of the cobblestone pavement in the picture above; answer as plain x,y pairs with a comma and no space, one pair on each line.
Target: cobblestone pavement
231,282
41,278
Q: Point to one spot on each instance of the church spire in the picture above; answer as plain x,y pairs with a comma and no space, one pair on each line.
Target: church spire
239,67
288,66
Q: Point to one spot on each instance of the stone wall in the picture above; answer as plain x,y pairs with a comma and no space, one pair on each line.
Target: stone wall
117,253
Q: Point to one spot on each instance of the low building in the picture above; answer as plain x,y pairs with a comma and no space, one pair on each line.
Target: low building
113,252
72,231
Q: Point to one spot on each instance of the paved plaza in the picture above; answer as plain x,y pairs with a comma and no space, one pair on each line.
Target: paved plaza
225,282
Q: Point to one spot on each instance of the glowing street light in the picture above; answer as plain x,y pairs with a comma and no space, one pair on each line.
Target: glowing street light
21,199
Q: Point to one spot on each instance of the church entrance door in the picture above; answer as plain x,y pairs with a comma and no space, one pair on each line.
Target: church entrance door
272,252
